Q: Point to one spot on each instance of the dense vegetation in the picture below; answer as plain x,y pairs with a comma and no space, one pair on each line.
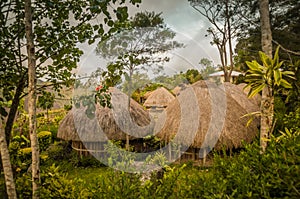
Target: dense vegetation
276,174
249,173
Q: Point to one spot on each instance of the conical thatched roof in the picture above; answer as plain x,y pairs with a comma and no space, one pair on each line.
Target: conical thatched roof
203,119
161,97
235,91
107,123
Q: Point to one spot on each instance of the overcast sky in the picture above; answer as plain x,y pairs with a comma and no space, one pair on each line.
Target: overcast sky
189,26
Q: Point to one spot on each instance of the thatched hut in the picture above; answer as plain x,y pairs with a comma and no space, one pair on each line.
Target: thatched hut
90,133
157,101
213,120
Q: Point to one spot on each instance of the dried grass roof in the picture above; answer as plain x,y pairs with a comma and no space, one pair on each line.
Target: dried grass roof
161,97
239,95
179,122
107,123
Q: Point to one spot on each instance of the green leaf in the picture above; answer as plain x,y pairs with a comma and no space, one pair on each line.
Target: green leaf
277,76
252,65
276,56
285,83
255,90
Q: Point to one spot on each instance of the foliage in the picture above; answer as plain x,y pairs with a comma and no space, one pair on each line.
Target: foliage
116,184
45,139
248,174
267,75
138,48
45,100
285,30
171,81
193,75
55,41
208,68
292,120
224,20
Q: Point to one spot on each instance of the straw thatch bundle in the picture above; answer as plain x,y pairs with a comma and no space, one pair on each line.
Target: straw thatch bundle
107,123
235,91
208,112
161,97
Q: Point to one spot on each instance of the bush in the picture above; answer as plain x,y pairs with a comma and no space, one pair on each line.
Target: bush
54,184
45,139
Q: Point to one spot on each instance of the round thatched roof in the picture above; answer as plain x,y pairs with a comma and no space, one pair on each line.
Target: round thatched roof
237,93
211,111
161,97
107,123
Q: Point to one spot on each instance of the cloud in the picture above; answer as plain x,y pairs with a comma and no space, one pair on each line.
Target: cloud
189,25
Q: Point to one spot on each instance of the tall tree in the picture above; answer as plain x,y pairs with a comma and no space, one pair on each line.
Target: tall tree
57,28
267,103
138,48
32,100
224,28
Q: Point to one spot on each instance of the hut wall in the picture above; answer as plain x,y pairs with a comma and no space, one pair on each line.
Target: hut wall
84,149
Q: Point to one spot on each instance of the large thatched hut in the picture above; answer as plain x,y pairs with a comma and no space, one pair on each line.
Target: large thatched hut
90,132
203,117
158,100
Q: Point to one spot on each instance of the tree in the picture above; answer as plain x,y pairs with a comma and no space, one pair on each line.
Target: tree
285,23
225,25
267,78
55,39
138,48
57,28
193,75
46,101
208,68
32,100
267,103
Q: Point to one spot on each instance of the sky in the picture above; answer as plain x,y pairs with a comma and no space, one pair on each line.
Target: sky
190,28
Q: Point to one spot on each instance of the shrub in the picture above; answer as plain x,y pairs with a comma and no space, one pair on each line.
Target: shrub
45,139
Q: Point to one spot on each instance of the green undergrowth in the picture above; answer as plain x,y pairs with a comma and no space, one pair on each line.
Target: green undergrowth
248,174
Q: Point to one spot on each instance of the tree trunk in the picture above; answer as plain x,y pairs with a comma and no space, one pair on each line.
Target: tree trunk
127,146
267,103
32,100
13,110
8,174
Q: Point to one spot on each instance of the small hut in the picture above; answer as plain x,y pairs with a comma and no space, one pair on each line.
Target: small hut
158,100
214,119
89,133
